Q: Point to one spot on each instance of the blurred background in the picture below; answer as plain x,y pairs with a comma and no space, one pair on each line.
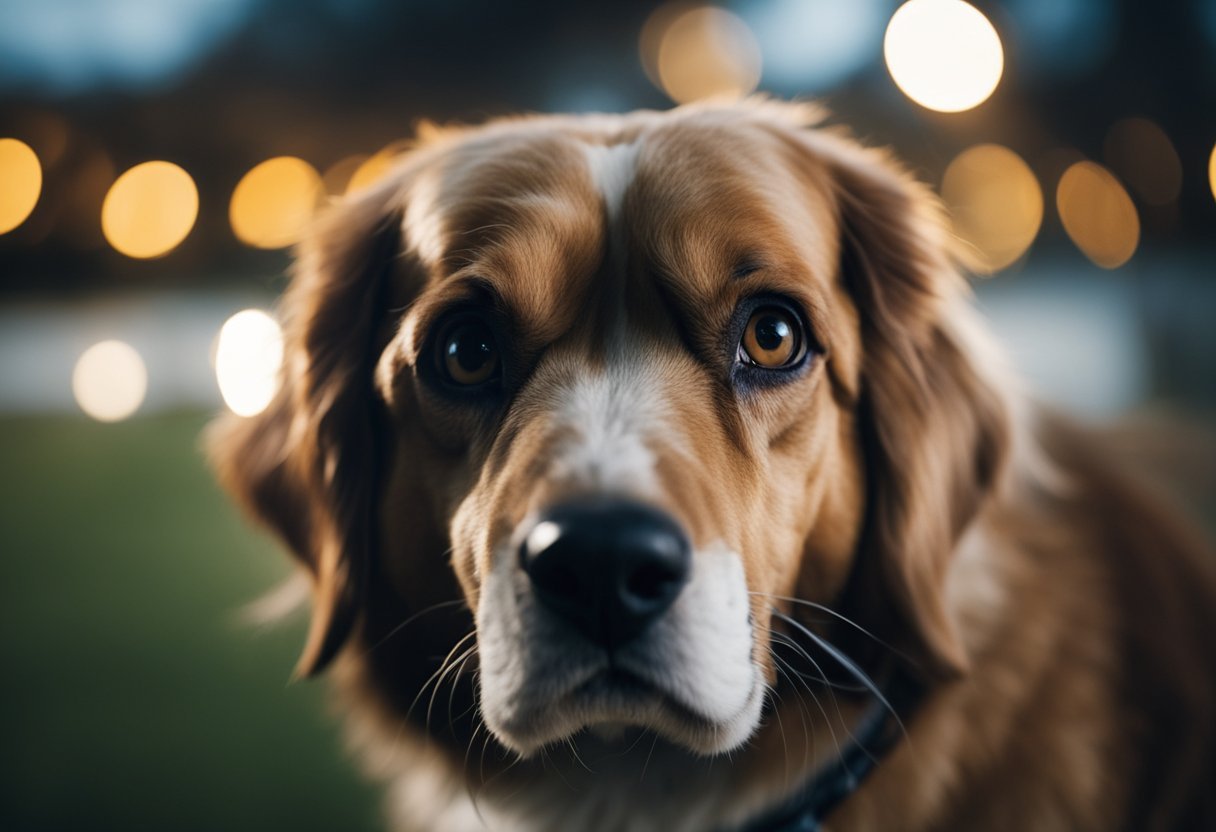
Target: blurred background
159,157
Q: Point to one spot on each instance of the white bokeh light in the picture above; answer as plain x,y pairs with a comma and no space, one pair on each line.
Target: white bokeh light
110,381
944,54
247,359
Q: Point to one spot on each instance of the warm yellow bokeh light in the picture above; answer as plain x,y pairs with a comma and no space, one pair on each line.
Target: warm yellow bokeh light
373,169
20,183
274,201
700,52
248,354
369,172
149,209
995,204
1212,171
110,381
1098,214
1140,152
943,54
337,176
652,35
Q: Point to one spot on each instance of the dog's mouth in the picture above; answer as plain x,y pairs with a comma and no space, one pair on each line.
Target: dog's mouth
612,703
617,694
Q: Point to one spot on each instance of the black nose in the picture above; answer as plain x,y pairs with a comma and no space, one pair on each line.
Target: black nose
607,566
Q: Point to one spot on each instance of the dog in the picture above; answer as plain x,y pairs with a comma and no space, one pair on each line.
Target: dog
654,472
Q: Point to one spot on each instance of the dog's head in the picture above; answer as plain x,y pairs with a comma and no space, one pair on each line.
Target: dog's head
634,383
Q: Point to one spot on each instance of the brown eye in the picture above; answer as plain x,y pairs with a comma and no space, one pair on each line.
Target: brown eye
468,354
772,339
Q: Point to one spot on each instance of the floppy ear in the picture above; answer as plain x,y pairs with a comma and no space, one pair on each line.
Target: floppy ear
935,430
308,466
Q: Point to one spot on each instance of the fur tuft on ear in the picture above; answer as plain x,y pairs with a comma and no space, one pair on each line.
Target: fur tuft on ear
308,466
935,430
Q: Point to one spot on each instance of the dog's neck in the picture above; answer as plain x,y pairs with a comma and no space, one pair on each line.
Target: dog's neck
635,781
881,728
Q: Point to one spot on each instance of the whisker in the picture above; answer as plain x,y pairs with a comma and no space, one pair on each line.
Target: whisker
786,641
646,764
574,751
784,745
557,769
838,616
832,691
410,620
827,720
436,674
452,689
807,739
845,662
451,665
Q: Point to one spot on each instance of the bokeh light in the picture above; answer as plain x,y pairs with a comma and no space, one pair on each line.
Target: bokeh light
374,168
1143,155
337,176
700,52
21,178
1212,171
1098,214
110,381
248,354
149,210
944,54
651,36
996,204
274,201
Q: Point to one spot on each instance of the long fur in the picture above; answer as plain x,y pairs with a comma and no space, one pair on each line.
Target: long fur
905,507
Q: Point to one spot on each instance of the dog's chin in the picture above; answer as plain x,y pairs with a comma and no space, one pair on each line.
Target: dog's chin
612,705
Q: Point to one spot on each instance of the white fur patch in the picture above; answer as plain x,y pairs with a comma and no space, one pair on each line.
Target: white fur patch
612,167
611,420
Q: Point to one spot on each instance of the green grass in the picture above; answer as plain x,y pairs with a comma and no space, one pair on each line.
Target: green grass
131,696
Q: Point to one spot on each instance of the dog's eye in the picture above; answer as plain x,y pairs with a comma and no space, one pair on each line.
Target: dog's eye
773,339
468,355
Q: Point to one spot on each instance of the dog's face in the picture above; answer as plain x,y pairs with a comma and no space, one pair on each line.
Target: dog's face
635,382
632,353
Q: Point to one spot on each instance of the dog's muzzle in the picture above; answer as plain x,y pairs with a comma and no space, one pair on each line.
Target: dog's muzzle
608,566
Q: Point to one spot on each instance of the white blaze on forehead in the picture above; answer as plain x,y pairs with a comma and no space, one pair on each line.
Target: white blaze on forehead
612,167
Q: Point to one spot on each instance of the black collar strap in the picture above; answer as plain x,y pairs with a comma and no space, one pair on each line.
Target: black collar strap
877,732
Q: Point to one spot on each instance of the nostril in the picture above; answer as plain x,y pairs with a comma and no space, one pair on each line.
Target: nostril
653,582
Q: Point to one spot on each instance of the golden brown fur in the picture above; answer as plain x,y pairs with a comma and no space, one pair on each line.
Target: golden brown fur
1061,620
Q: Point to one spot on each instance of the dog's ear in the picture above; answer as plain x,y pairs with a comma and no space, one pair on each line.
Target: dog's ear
934,426
307,466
